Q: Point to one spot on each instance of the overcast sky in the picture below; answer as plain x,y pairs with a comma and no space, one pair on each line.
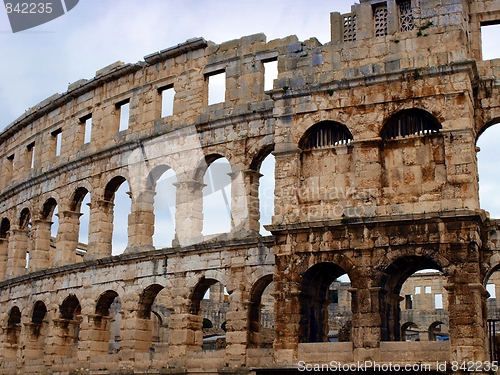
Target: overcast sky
42,61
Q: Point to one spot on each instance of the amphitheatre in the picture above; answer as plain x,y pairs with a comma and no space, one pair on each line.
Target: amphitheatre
374,139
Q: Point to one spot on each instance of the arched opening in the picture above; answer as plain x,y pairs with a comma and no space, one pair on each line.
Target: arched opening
339,310
210,301
117,194
438,331
14,327
217,196
36,330
24,243
410,122
155,307
71,317
107,321
4,246
324,162
47,236
80,204
487,164
414,292
161,180
410,332
37,319
319,290
266,193
261,314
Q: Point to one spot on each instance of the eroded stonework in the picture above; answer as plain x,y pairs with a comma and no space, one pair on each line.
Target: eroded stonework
374,136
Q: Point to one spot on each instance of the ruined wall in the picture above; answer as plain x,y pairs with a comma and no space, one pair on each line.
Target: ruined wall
374,138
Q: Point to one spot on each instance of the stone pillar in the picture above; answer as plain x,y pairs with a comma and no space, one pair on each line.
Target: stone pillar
251,178
100,230
366,318
287,321
41,258
67,238
141,223
189,212
287,157
467,322
237,323
467,305
4,256
18,246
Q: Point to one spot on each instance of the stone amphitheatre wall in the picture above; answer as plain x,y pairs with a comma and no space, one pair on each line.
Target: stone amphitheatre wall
374,136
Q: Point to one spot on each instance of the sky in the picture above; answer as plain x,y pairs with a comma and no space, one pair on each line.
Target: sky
42,61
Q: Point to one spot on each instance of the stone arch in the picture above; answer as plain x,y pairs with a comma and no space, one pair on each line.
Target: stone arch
4,246
159,203
25,218
198,293
38,317
110,236
413,121
14,327
217,178
107,322
325,134
254,311
494,121
153,320
406,328
314,300
393,277
432,330
36,331
259,180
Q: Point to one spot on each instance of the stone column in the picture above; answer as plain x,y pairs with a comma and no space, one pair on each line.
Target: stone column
287,157
18,246
237,322
100,230
287,321
467,306
141,223
41,257
4,256
189,212
67,238
251,178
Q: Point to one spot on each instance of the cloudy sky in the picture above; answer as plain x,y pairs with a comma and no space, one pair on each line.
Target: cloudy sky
42,61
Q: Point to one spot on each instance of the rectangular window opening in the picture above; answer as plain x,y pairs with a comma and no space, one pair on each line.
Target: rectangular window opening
428,290
124,112
86,121
31,154
167,100
490,288
27,263
438,301
57,135
417,290
408,302
216,87
489,40
380,14
270,73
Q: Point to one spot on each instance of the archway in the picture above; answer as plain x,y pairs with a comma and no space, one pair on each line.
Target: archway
261,314
411,285
317,294
217,196
107,322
